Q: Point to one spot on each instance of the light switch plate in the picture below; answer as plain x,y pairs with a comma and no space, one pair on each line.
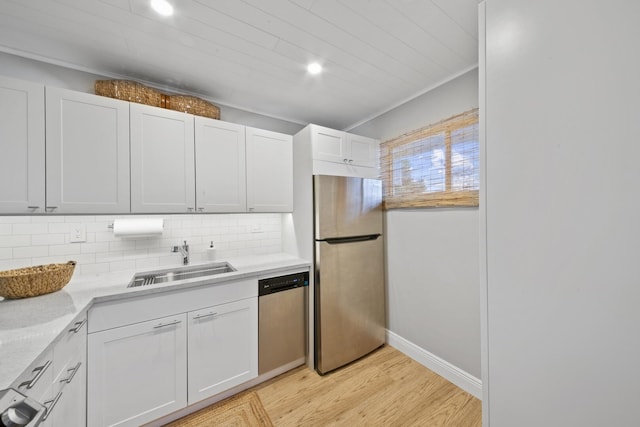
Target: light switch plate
78,233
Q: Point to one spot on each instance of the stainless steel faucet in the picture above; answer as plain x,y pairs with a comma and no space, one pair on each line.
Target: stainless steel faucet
184,251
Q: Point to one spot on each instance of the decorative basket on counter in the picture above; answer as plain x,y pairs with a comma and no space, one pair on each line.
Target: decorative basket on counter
37,280
128,90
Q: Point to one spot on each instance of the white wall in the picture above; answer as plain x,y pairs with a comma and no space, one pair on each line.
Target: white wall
562,227
432,254
58,76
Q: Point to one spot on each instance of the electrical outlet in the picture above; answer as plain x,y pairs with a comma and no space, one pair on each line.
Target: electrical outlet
78,233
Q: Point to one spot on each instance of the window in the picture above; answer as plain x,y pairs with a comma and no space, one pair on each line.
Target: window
435,166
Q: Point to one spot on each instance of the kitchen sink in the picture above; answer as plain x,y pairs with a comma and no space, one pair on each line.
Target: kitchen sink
180,273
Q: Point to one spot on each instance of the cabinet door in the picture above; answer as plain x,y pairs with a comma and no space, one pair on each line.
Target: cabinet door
162,159
87,153
223,347
269,171
137,373
329,144
220,166
363,151
22,146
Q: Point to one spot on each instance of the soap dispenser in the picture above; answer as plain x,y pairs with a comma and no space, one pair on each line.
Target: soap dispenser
211,252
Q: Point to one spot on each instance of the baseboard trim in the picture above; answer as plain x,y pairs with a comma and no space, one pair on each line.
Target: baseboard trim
452,373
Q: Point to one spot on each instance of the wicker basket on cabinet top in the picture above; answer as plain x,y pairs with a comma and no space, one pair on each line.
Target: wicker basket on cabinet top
128,90
192,105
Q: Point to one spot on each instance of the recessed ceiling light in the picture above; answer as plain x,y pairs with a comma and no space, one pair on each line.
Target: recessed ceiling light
314,68
162,7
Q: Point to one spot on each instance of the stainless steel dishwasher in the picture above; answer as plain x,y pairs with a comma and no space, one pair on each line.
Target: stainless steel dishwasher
282,320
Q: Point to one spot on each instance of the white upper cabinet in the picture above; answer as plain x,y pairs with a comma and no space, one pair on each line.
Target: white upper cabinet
87,153
22,145
363,151
329,144
341,147
220,166
269,171
162,159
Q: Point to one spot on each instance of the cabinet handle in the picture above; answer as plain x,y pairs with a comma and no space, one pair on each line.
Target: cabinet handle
73,373
78,326
35,379
33,207
200,316
345,160
350,161
200,209
50,208
53,402
190,209
162,325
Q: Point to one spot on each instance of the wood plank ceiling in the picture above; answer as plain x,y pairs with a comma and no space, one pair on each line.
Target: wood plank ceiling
252,54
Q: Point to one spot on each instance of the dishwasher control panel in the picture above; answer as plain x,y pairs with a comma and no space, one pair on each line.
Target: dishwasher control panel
282,283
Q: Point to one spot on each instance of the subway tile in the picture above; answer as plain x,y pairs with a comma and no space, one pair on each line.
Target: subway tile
79,218
122,244
5,229
47,219
30,228
15,241
15,263
47,239
122,265
15,219
94,247
59,227
30,251
6,253
70,249
147,263
109,256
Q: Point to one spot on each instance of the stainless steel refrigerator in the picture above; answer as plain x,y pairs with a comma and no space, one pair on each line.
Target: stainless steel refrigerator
349,269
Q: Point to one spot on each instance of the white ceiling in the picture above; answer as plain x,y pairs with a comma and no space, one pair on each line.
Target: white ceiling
252,54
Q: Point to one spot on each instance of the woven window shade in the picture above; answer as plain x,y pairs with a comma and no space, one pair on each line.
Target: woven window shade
435,166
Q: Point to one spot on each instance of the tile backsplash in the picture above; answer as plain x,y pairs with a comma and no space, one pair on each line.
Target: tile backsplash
35,240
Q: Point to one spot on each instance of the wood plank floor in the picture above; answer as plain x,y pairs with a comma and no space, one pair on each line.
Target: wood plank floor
385,388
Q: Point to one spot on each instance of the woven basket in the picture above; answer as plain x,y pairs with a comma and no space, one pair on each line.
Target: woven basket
34,281
192,105
128,90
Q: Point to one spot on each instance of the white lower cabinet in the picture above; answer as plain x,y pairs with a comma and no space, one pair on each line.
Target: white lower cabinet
222,347
137,373
201,341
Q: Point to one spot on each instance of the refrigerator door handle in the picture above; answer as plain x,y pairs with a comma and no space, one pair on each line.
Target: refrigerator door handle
350,239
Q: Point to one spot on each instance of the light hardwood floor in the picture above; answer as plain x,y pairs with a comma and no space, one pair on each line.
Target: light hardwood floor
385,388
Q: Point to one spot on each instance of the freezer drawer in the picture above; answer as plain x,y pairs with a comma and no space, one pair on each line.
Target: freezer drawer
350,302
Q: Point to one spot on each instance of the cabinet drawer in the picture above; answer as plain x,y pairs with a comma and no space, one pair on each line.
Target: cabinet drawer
35,380
113,314
71,347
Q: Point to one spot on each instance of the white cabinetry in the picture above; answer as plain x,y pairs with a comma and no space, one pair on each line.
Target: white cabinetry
58,378
162,159
22,145
222,347
87,153
341,147
220,166
269,171
152,355
137,372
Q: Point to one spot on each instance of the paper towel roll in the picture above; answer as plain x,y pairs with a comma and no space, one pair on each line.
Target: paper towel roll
138,227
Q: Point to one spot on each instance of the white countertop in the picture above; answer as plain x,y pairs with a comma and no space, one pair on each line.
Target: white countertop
29,326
